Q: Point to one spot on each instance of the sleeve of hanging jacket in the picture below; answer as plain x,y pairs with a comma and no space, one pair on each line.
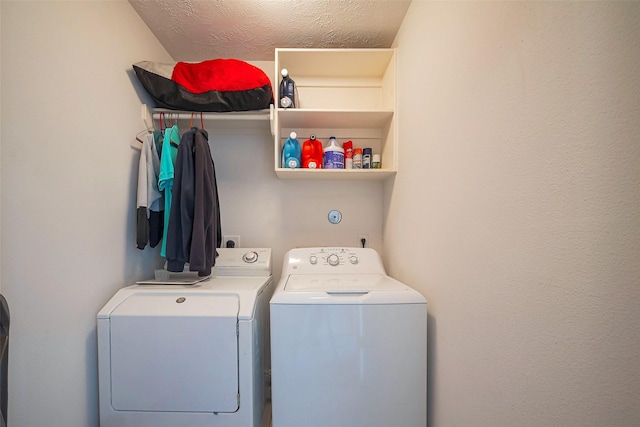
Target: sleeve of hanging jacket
206,215
182,206
142,222
155,198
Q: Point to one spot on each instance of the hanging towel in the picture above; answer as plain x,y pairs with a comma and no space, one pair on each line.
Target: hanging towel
194,230
150,203
165,178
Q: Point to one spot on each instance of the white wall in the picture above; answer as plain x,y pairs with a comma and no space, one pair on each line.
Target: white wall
515,210
70,112
267,212
519,174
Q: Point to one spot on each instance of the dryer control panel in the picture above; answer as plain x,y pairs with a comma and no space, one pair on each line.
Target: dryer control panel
243,262
332,260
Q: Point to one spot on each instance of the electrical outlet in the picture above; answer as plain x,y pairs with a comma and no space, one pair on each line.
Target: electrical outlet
234,239
359,241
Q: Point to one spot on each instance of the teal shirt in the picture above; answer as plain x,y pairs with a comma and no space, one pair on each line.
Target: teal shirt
165,178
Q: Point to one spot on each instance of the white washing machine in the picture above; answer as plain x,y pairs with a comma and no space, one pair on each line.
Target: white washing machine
348,343
189,355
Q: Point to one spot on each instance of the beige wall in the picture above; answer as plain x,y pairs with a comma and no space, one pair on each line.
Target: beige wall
516,208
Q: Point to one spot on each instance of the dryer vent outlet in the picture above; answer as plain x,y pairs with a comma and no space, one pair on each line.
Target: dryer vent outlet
231,241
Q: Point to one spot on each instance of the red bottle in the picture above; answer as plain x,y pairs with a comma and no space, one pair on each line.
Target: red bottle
312,153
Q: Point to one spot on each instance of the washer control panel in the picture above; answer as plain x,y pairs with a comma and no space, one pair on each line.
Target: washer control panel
332,260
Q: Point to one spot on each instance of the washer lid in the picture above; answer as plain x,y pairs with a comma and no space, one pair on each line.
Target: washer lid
345,289
174,351
342,283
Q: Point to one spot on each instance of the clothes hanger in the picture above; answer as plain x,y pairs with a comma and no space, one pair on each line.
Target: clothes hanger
148,130
201,121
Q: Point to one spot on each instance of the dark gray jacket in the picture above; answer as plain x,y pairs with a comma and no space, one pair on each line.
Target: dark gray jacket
194,230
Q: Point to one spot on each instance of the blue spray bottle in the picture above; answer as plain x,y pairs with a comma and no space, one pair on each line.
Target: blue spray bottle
291,155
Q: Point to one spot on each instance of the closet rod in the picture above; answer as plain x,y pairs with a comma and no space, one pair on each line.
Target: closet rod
232,115
234,121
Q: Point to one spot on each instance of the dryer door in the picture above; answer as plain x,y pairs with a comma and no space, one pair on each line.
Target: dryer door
175,352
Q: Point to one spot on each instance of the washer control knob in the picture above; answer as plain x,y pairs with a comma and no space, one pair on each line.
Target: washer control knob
333,260
313,259
250,257
353,259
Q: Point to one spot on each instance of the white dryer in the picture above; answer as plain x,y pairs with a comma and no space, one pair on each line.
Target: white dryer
189,355
348,343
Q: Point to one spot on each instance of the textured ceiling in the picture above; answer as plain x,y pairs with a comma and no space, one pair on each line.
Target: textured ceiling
250,30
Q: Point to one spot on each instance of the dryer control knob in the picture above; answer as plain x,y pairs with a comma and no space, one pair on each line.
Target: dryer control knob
353,259
313,259
333,260
250,257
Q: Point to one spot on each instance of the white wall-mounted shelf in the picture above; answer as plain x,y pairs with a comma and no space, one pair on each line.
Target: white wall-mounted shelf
346,93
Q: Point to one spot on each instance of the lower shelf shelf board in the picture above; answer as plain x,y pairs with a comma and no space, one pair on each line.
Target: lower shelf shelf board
337,174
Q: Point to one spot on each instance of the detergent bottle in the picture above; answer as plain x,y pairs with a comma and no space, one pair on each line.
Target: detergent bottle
333,155
312,153
287,90
291,152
